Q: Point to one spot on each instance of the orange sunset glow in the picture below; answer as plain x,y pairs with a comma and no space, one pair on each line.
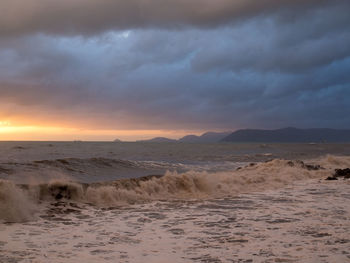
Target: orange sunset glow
10,132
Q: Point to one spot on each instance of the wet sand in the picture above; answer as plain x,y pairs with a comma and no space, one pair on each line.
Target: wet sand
308,221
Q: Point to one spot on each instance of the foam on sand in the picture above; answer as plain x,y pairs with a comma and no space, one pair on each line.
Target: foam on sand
304,222
18,203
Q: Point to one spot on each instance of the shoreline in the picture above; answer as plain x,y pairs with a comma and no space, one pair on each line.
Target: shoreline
306,221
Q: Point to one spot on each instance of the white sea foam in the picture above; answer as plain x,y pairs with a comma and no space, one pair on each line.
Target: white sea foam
15,204
194,185
307,222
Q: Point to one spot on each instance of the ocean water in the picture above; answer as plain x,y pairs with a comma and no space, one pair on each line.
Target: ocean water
173,202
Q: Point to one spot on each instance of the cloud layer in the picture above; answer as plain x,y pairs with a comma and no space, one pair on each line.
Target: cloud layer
176,64
93,16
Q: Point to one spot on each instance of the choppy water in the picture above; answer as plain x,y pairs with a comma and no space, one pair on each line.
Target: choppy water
106,161
191,202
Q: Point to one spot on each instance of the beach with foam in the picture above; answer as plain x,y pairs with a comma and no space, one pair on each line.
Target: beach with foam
260,209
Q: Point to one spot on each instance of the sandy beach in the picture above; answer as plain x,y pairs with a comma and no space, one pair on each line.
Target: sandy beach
206,206
308,221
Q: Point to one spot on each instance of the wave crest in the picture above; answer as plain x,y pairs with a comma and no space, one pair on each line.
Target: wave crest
15,203
184,186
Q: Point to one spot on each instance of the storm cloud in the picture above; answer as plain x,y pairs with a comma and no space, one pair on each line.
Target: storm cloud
93,16
204,65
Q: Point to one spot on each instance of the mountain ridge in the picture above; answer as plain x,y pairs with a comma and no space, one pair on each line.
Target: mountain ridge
207,137
289,135
283,135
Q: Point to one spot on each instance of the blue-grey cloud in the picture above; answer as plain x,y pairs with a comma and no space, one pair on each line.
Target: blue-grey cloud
281,65
94,16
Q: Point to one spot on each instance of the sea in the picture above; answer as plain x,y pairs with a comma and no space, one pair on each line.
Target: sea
173,202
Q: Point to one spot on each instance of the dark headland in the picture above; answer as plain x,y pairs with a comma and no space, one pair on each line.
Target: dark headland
205,137
285,135
289,135
208,137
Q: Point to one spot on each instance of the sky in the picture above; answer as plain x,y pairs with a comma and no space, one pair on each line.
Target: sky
136,69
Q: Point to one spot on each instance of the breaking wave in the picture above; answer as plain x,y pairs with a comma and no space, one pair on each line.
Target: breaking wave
18,202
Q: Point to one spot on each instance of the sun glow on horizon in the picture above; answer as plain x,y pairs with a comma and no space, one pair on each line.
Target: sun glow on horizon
11,132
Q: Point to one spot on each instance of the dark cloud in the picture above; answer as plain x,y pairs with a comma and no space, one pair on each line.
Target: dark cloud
88,17
315,40
286,63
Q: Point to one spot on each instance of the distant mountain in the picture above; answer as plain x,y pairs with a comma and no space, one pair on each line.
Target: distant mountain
214,136
208,137
159,139
117,140
289,135
189,138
